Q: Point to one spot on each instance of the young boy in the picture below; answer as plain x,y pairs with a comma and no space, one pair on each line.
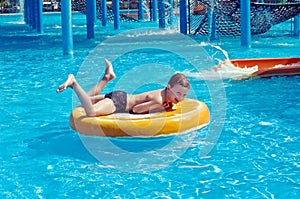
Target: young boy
119,101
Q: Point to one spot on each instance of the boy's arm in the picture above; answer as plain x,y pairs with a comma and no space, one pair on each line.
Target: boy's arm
153,103
148,107
152,107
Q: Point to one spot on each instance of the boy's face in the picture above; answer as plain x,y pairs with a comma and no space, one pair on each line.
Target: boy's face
177,93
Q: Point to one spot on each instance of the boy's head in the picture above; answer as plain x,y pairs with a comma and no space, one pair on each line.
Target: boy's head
179,79
179,86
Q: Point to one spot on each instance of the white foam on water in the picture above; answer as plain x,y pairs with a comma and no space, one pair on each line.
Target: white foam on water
223,70
297,64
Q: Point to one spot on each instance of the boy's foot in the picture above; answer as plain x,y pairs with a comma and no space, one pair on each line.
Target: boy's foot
109,72
68,83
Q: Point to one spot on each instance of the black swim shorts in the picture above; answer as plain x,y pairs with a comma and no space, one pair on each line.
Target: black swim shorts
119,98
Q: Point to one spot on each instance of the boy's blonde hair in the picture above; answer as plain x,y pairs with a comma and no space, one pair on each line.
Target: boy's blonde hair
180,79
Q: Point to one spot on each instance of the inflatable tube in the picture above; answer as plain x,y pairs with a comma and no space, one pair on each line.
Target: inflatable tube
188,114
271,66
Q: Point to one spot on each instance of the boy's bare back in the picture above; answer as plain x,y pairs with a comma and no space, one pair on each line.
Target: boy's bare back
151,101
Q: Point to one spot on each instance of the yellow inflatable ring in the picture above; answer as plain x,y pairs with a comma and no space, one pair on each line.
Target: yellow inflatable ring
188,114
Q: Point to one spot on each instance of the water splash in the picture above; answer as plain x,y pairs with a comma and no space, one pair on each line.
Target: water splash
169,10
224,52
223,70
146,8
297,64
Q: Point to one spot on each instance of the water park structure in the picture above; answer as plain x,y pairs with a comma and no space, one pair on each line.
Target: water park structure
199,17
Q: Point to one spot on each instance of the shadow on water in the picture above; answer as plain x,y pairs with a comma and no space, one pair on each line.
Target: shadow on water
62,142
141,144
65,142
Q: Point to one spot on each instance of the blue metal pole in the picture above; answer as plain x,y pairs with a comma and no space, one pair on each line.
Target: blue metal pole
183,16
212,23
116,10
104,12
40,28
31,20
154,10
33,11
141,10
170,12
161,14
34,6
26,11
297,25
90,18
245,24
30,11
67,35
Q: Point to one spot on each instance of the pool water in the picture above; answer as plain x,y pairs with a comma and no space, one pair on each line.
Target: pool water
250,149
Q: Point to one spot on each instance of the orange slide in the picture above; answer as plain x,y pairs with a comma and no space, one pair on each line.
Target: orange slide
270,66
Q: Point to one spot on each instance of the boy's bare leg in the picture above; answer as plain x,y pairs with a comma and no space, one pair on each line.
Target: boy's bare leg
82,95
108,76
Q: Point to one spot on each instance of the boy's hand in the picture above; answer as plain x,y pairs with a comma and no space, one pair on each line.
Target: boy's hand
168,106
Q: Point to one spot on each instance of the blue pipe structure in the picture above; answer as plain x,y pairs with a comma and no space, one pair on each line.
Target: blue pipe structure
40,28
212,22
245,24
32,14
30,7
161,14
141,10
153,11
183,16
297,25
104,12
27,7
170,12
90,18
35,14
26,11
116,10
67,35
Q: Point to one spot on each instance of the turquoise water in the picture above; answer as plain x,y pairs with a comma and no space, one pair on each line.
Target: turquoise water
255,154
